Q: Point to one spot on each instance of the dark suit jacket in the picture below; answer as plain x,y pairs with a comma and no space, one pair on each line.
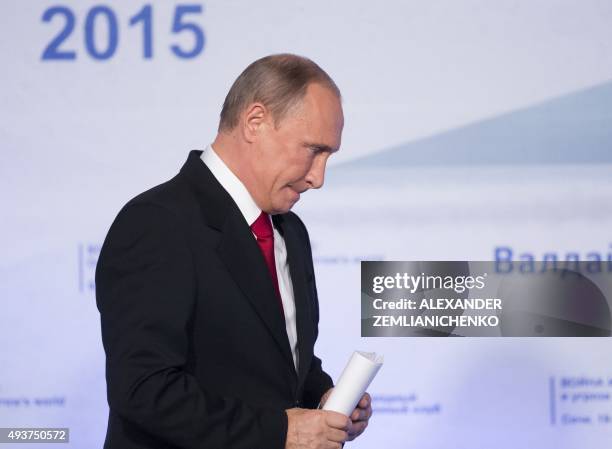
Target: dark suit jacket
197,355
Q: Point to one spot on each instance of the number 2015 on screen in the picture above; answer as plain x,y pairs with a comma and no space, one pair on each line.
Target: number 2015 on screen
184,22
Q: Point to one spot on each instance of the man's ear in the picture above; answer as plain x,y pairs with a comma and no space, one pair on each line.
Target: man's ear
254,119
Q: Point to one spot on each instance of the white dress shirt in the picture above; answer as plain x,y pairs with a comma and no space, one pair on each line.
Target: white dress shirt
251,212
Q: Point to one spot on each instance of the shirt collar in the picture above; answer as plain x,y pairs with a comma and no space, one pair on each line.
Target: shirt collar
230,182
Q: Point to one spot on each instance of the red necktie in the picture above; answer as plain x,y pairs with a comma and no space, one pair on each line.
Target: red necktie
265,239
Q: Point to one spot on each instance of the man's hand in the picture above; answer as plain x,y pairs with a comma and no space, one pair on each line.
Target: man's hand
359,417
316,429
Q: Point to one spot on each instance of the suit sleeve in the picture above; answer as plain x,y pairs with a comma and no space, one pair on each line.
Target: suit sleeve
145,291
317,381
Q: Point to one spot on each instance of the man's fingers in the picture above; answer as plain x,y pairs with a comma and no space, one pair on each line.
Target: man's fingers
357,429
333,445
363,409
337,420
365,401
360,413
337,435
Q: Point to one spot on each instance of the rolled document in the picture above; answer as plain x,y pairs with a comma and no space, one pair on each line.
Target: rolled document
353,382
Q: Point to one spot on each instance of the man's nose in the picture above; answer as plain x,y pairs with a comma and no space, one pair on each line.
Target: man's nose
316,175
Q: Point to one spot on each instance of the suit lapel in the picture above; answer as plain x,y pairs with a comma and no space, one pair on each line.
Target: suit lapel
295,257
237,248
242,256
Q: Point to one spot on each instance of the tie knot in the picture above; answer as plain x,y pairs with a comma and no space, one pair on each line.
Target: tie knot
262,227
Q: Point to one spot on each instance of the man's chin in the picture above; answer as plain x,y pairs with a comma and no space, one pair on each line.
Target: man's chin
283,208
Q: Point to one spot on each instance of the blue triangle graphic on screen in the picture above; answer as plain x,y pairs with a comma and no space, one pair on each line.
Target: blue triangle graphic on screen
572,129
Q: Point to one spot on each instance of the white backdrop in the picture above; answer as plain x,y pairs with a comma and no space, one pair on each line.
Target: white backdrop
470,126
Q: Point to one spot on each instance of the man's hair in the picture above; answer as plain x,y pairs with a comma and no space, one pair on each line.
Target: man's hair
279,82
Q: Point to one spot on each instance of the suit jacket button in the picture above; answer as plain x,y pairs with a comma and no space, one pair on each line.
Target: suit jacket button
298,403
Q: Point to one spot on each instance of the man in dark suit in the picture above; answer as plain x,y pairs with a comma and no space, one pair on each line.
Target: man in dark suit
206,287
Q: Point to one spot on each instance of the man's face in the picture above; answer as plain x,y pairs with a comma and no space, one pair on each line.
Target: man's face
291,158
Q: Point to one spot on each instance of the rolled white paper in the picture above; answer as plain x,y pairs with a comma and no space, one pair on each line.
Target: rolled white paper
353,382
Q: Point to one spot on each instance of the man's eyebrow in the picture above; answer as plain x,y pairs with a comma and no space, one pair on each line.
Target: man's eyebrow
320,146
